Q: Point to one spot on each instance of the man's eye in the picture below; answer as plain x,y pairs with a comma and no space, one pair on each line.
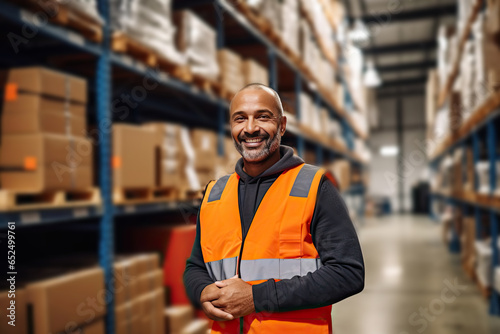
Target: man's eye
238,119
264,116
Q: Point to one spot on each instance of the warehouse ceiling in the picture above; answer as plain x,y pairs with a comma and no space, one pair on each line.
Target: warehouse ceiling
403,40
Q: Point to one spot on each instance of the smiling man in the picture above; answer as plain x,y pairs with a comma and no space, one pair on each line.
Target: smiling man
275,246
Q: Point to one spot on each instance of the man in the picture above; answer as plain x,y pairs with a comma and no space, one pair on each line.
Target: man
275,246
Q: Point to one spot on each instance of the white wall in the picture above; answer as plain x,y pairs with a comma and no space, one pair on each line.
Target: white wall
384,170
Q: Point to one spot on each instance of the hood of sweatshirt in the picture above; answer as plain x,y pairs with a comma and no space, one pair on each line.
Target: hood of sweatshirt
287,160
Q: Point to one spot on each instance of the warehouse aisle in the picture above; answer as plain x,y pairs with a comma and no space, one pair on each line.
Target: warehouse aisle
409,271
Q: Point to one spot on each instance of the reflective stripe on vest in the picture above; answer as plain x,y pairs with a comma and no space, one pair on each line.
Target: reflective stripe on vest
262,269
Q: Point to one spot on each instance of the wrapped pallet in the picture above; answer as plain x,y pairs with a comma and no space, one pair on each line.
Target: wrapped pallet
487,68
197,40
289,20
150,23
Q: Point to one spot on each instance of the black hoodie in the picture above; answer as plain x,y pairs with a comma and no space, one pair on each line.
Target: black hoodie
342,274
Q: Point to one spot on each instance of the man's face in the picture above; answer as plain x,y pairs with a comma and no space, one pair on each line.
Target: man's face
256,125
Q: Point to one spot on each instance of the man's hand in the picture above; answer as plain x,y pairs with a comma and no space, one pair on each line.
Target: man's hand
212,312
234,297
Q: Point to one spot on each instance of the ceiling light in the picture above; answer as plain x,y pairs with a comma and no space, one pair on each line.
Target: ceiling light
359,33
371,78
389,151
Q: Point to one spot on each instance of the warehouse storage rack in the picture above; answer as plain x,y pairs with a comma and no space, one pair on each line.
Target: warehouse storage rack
105,69
479,130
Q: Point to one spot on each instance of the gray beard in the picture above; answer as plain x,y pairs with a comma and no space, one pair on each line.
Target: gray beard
270,146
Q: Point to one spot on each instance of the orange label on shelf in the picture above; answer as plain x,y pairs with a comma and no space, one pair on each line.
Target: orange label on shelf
116,162
30,163
10,93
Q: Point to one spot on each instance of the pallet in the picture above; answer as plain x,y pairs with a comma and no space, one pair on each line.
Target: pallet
181,72
61,14
144,195
122,43
14,200
209,86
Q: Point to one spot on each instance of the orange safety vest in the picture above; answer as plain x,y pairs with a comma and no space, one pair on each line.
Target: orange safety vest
278,246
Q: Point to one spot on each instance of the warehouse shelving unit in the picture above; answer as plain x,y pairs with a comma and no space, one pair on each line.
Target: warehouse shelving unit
104,73
479,130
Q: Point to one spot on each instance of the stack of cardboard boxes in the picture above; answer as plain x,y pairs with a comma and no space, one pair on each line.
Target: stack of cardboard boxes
467,239
254,72
44,144
163,155
231,68
205,147
180,320
70,302
139,295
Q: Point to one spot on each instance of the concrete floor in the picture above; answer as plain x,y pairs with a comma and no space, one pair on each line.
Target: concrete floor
409,271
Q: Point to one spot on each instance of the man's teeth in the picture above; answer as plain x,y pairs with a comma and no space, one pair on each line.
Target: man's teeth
253,140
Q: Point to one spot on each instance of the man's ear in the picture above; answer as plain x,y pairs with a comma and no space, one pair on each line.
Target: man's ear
283,125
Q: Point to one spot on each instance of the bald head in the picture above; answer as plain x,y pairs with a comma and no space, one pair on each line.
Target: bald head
258,86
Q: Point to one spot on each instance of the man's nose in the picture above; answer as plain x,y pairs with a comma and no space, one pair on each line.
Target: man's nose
252,125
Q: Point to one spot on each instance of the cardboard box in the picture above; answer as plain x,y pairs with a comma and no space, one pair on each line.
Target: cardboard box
47,122
133,158
40,80
151,314
127,318
150,281
254,72
21,311
205,145
341,169
46,162
170,158
126,274
95,327
178,317
147,263
61,300
230,65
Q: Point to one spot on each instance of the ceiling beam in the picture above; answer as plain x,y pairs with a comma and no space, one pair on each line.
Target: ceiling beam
385,16
404,82
401,47
412,92
423,65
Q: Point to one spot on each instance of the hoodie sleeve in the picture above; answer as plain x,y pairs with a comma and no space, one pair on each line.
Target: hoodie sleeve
342,273
196,276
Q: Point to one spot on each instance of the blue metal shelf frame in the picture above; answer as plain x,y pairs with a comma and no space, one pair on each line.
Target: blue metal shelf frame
474,138
103,107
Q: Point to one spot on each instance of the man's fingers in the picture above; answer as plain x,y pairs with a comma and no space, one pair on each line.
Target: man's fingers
218,313
210,295
221,284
